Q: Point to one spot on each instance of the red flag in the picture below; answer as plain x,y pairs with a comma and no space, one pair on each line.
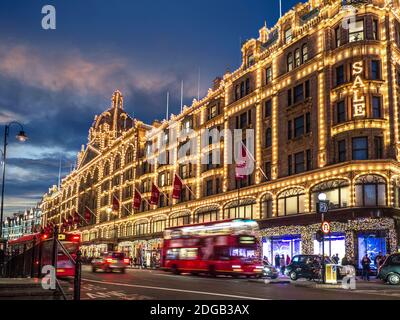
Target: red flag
115,203
87,214
77,218
155,195
242,164
137,200
70,220
178,184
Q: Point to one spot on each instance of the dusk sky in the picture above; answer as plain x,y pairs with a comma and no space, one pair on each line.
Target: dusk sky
56,81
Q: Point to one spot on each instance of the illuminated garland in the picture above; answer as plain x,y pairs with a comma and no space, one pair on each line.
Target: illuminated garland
350,229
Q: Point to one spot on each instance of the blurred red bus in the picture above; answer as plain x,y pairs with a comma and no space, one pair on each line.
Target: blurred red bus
70,242
226,247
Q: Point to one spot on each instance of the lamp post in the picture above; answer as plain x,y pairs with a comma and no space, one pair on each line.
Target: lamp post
22,137
323,199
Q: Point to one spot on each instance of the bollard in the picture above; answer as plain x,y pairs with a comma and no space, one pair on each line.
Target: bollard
55,248
39,274
78,275
33,257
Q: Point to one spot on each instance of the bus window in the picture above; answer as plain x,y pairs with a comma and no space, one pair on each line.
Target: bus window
243,253
173,254
188,254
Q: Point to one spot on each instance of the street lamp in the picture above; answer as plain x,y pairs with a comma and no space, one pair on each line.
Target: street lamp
322,197
21,137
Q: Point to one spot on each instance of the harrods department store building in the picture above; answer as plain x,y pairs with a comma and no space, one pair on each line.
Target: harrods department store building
323,99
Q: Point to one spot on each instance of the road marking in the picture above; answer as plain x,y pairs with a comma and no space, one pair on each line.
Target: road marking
175,290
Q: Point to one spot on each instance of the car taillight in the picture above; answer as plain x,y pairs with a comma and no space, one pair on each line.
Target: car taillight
109,260
76,238
126,260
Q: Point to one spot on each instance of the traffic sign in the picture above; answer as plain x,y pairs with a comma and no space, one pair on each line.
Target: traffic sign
326,227
323,207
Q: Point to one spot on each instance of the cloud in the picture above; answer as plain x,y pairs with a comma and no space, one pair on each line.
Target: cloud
70,70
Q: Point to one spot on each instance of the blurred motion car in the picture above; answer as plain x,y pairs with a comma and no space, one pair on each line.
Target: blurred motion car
269,271
110,261
310,267
390,270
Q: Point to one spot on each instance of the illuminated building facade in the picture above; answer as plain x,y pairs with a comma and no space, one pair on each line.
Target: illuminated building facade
22,224
322,96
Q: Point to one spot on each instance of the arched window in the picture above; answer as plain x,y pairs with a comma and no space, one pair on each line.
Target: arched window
207,214
129,230
370,191
297,58
88,181
268,138
244,210
305,53
82,185
179,220
266,206
106,169
291,202
290,62
117,163
141,228
96,176
129,156
337,192
158,225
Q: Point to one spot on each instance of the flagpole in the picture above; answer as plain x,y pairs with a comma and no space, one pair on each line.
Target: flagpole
254,160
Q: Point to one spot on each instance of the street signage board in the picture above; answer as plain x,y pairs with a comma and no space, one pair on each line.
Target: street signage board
326,227
323,207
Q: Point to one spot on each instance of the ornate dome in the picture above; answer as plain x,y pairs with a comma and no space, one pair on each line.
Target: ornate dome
115,118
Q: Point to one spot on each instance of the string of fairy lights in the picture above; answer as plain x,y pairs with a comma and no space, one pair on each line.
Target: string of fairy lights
329,16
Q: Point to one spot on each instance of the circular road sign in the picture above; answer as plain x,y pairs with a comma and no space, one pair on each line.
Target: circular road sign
326,227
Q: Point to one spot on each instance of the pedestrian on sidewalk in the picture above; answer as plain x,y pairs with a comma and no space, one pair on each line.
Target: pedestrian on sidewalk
288,260
366,267
378,260
283,264
277,261
336,258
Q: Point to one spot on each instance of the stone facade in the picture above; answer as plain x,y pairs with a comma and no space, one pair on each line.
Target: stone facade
323,101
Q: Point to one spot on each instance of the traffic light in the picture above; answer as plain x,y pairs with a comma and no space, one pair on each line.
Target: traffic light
319,236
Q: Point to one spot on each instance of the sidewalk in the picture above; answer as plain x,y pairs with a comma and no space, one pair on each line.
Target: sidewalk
374,284
26,289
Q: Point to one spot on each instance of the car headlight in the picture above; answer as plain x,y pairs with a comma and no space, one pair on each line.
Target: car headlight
267,269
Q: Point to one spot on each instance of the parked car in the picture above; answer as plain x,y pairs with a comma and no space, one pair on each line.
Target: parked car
390,270
110,261
310,267
269,271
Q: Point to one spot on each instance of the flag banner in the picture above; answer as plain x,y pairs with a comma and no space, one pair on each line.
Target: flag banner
241,164
115,203
76,218
70,220
155,195
137,200
87,215
178,184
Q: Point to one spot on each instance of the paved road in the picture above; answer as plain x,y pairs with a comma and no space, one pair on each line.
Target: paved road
158,285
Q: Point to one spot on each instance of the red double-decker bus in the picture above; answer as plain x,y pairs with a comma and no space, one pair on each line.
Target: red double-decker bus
69,242
226,247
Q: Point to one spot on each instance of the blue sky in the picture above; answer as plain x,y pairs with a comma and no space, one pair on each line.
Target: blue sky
54,82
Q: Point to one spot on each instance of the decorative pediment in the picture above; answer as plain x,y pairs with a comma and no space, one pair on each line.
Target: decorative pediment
90,154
